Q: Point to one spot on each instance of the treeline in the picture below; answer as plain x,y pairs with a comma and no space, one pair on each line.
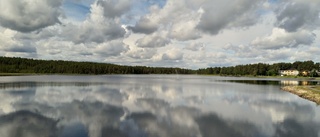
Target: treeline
262,69
23,65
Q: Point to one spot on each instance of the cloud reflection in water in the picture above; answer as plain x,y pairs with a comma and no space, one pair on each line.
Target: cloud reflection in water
149,106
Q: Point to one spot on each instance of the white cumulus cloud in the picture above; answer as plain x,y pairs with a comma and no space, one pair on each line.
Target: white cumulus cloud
281,38
96,28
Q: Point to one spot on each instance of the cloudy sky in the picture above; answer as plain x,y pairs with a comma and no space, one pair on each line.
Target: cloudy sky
168,33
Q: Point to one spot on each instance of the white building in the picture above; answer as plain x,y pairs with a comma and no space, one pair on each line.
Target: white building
291,72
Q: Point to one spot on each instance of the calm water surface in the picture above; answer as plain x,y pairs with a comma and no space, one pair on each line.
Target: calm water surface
153,106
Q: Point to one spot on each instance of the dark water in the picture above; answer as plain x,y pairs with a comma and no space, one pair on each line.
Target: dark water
153,106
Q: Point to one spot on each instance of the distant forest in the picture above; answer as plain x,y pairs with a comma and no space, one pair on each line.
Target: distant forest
23,65
262,69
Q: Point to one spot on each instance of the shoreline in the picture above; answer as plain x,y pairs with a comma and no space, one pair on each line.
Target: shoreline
245,76
16,74
311,93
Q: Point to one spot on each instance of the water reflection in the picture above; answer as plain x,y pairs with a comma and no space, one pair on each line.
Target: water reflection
44,84
153,106
257,82
289,82
274,82
296,83
27,124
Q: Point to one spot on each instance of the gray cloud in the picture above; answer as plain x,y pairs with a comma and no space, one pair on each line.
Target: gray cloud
112,48
278,54
114,8
153,40
22,48
47,33
58,51
149,23
173,54
186,29
142,53
9,43
29,15
294,15
258,53
93,32
219,15
279,45
195,46
144,25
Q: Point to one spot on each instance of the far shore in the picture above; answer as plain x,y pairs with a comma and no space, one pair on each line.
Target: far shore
17,74
299,78
311,93
39,74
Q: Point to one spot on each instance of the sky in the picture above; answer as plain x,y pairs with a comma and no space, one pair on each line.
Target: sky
162,33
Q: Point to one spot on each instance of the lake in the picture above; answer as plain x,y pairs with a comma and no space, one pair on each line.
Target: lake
153,106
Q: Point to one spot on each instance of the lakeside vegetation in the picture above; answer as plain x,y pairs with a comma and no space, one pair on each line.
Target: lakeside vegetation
11,66
311,93
23,66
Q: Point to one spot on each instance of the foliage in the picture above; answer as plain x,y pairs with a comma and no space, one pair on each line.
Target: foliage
23,65
262,69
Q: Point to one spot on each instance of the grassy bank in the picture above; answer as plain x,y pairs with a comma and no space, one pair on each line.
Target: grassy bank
311,93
